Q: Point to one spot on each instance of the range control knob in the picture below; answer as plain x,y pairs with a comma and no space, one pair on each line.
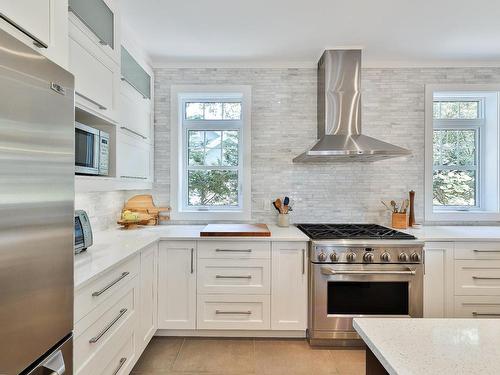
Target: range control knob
334,257
368,257
403,257
351,257
322,257
415,257
385,257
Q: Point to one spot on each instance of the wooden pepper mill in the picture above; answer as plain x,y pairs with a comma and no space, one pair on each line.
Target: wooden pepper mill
411,220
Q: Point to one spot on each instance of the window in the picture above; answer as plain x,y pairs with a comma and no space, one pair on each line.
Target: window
462,167
213,170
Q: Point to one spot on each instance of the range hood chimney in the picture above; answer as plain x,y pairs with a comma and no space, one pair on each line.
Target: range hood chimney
339,114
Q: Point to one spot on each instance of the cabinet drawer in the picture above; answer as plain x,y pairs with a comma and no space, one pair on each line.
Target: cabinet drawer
104,330
477,307
233,312
92,295
238,276
234,249
477,277
477,250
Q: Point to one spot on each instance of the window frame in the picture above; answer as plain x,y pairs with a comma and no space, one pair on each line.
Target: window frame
478,125
179,150
471,92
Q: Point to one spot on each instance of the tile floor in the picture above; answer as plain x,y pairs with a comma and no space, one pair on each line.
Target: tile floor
211,356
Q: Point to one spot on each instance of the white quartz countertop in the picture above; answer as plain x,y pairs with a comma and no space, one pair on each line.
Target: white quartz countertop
406,346
114,246
456,233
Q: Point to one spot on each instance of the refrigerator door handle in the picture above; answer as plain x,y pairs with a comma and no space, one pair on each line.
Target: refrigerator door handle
55,363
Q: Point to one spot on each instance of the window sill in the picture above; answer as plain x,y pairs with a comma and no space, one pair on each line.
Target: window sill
466,216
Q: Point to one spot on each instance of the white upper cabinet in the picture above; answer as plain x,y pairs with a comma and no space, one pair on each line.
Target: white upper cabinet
42,24
99,20
94,56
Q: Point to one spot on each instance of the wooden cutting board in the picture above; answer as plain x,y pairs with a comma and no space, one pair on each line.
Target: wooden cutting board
235,230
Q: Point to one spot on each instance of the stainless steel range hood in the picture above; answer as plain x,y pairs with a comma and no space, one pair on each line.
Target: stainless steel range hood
339,114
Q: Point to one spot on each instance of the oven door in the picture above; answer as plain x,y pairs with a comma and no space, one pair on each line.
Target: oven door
344,292
86,149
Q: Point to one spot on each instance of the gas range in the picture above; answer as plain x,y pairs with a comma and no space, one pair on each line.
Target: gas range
361,243
360,270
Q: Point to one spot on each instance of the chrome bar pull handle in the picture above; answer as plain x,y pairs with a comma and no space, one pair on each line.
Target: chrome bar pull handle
135,177
96,338
133,132
486,251
234,250
303,261
474,313
485,278
232,277
219,312
100,106
330,271
99,292
192,260
120,365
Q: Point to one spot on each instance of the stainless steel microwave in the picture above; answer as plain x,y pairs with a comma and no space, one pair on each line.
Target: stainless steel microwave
91,150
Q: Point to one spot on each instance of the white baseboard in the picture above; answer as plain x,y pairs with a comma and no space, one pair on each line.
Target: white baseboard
230,333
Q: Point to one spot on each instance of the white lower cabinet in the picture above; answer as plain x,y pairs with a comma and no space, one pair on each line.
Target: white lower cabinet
477,306
289,286
237,312
438,280
177,285
148,319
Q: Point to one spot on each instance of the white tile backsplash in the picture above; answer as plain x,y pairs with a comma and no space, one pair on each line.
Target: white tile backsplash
284,125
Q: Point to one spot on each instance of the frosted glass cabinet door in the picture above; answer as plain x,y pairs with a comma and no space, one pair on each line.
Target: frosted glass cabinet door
97,16
135,75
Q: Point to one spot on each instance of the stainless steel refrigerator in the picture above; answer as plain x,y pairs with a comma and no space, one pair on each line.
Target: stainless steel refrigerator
36,212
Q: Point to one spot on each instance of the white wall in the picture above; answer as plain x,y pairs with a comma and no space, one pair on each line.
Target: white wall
284,125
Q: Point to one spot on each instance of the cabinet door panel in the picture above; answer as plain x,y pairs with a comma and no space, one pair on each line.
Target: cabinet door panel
31,15
149,292
135,113
133,157
177,285
438,280
289,286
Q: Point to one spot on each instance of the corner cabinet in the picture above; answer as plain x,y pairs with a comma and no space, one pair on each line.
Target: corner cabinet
177,285
41,24
289,286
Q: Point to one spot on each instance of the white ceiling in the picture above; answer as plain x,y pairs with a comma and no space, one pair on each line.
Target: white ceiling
295,32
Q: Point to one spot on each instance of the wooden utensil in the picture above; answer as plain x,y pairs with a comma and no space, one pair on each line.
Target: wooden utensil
394,206
279,205
411,220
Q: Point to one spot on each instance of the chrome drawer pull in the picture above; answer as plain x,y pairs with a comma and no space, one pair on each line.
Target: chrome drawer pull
486,251
303,261
99,292
485,278
218,312
329,271
100,106
232,277
120,365
37,42
484,314
234,250
192,260
135,177
133,132
94,339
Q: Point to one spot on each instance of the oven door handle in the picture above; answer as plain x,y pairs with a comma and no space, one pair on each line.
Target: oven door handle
331,271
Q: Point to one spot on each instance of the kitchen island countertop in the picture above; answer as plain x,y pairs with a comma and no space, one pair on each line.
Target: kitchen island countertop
407,346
